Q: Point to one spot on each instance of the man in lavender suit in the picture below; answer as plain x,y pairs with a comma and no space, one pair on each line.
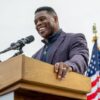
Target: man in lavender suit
66,51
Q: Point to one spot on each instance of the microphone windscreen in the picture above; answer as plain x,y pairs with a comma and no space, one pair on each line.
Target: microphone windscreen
29,39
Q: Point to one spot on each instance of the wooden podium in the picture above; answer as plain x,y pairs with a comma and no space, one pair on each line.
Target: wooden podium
31,79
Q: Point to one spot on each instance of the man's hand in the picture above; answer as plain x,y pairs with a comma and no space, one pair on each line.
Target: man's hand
61,69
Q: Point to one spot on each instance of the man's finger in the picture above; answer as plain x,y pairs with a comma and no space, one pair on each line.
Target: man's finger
56,67
64,72
60,70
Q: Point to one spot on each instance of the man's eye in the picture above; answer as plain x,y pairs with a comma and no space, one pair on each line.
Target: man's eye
40,20
43,18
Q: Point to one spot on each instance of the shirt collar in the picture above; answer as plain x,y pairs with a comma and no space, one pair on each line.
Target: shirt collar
52,38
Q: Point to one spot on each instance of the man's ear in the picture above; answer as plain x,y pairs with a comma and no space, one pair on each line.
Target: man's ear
56,18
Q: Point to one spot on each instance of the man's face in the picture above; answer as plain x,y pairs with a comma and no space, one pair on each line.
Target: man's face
45,24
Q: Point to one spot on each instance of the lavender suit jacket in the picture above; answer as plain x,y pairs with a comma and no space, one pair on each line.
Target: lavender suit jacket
68,48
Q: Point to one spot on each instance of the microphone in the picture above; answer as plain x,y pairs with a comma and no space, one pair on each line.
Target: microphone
19,44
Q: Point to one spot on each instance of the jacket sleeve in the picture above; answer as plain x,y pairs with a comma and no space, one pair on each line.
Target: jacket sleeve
79,54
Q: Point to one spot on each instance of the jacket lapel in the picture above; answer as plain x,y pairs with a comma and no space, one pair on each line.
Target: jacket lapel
54,48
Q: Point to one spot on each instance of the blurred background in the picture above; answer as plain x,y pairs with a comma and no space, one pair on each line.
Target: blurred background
17,21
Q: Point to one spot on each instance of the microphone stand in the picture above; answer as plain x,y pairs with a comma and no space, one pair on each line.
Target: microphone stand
20,51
